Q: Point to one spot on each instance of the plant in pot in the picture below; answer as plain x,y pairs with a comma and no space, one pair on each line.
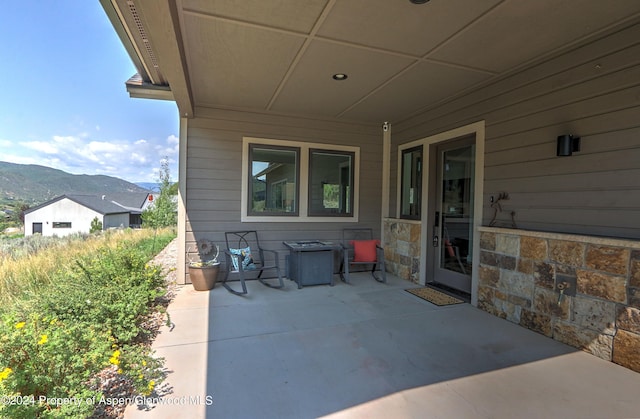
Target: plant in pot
204,271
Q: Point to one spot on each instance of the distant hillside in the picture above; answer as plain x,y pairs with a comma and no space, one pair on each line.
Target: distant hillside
150,186
35,184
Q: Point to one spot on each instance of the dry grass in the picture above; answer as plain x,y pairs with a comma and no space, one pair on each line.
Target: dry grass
26,274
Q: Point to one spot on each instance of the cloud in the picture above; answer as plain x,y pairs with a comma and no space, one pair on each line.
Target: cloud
132,160
41,146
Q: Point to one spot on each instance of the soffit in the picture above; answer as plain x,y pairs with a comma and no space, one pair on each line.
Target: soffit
278,56
292,15
235,65
520,31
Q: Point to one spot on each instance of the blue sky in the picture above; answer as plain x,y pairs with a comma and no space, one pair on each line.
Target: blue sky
63,101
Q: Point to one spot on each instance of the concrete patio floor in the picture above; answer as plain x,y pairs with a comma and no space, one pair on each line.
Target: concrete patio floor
371,350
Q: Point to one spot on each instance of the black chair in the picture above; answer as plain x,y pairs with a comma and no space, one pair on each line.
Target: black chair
244,254
360,248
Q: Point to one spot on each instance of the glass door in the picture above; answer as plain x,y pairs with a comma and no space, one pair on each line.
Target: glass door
453,220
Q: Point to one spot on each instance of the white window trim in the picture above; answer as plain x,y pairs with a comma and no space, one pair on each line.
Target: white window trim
303,199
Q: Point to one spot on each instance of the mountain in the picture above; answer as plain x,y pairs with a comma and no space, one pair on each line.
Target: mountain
150,186
35,184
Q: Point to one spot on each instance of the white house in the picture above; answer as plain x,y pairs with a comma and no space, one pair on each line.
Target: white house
69,214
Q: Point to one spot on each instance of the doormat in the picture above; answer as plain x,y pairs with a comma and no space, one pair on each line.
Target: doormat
434,296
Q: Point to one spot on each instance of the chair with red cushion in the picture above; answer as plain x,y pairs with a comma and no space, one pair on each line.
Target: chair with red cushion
360,248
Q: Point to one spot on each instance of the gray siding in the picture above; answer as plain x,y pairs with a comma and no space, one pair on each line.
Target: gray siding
592,91
214,177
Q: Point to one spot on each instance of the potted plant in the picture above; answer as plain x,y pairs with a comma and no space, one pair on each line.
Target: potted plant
204,272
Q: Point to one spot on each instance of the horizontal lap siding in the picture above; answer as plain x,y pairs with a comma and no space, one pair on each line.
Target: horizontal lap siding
592,91
214,154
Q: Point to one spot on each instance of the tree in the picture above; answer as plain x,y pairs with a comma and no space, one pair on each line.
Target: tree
96,225
163,211
22,207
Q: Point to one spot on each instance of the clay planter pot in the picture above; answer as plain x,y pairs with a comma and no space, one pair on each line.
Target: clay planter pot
203,278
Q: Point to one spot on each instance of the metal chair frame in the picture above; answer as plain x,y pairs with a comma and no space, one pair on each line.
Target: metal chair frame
241,240
350,234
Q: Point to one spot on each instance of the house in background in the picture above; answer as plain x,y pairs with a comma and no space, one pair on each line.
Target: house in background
460,120
68,214
136,203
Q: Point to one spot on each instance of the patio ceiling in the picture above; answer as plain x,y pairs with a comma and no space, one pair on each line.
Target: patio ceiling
278,56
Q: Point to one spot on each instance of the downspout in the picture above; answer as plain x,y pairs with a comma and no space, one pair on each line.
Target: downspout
386,172
182,203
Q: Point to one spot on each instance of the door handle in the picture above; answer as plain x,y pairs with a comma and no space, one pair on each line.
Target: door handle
435,240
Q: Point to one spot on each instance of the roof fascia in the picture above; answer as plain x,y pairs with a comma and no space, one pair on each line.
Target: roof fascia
162,23
117,23
44,204
141,90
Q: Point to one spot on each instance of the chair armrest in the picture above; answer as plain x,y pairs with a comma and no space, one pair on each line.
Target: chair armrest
275,252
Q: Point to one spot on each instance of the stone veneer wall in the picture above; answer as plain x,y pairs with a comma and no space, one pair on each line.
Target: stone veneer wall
402,248
518,278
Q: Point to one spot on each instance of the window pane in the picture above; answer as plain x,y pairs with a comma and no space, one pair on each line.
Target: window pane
274,178
61,224
411,192
330,183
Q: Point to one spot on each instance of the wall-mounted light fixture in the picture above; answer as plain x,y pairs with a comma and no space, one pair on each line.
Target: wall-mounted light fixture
567,144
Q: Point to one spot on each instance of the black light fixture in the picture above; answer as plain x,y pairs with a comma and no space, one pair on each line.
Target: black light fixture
418,1
339,76
567,144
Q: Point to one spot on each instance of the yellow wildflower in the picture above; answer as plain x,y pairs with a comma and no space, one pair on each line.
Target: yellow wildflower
5,373
115,358
119,370
144,363
20,325
43,339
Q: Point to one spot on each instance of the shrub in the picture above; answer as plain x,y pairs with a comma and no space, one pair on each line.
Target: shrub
49,359
86,317
113,289
96,226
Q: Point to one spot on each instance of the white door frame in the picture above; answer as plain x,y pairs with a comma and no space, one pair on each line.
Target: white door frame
478,130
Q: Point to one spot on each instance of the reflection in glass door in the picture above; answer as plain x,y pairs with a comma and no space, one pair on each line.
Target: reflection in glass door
453,222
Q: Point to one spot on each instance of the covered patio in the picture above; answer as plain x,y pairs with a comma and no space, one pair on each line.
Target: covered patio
371,350
492,146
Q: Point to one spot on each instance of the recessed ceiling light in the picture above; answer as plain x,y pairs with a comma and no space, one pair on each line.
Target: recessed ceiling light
339,76
418,1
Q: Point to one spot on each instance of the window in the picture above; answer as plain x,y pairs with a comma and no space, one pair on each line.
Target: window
411,188
273,184
61,225
286,181
330,183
